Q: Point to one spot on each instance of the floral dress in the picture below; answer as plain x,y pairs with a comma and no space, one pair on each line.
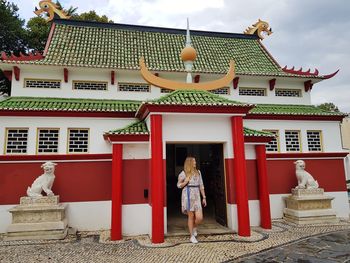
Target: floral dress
191,198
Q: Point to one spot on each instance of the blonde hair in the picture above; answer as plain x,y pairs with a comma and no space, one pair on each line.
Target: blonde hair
188,167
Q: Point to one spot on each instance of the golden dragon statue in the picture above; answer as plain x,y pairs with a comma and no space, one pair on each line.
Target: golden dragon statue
258,28
52,10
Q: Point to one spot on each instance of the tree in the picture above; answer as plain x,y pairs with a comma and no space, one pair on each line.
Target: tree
328,106
37,32
12,33
92,16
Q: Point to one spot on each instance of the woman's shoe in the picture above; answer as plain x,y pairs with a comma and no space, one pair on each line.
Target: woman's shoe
193,239
194,232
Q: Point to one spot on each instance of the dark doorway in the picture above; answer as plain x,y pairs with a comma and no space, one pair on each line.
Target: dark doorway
210,161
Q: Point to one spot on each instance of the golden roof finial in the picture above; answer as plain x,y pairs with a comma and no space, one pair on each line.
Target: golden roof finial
51,9
188,54
258,28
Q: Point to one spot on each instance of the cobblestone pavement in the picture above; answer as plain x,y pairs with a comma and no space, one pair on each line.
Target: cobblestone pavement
95,247
334,247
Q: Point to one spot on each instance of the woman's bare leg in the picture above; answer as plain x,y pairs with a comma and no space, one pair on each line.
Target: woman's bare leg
190,222
198,215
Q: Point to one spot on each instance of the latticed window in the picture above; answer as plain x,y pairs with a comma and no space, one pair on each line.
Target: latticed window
221,91
78,140
134,87
42,83
273,145
48,140
292,141
89,85
252,91
288,92
16,140
314,141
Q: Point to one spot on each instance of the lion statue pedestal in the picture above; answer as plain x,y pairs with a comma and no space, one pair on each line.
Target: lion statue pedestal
309,206
37,216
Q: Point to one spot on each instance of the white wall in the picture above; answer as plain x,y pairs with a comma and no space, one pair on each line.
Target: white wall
97,128
56,72
331,137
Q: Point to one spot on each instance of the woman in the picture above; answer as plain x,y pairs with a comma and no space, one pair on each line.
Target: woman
190,180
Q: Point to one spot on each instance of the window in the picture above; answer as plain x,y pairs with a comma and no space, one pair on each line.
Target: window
221,91
16,140
288,92
78,140
47,140
42,83
273,146
314,141
89,85
252,92
134,87
292,141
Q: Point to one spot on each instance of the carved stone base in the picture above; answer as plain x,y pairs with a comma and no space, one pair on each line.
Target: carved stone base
309,206
38,218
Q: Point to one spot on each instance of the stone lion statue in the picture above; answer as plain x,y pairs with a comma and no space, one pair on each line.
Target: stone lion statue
44,182
305,180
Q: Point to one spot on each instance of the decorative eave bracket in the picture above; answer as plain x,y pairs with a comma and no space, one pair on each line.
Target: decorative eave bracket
272,83
235,82
308,85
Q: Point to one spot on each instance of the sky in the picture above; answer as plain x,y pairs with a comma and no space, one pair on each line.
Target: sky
306,33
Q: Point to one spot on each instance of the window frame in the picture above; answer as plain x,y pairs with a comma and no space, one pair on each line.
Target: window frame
300,141
37,140
68,136
321,140
6,139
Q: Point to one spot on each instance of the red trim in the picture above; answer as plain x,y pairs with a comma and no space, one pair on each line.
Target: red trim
308,155
235,82
265,211
308,85
197,78
11,158
112,77
17,72
300,71
157,177
117,190
48,42
65,74
8,74
293,117
41,113
330,75
272,83
240,176
259,139
146,109
126,138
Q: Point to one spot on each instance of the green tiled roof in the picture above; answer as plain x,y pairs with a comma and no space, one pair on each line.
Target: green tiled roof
115,46
282,109
250,132
195,97
60,104
136,128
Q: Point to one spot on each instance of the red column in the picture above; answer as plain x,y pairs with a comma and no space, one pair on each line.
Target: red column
265,213
116,224
240,176
157,184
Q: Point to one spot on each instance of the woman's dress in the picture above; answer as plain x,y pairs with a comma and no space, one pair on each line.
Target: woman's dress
191,198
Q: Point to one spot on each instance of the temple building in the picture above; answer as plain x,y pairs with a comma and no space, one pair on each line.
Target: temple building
119,107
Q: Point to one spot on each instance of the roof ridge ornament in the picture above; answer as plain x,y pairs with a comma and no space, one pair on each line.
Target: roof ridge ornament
52,10
257,29
175,85
188,54
308,72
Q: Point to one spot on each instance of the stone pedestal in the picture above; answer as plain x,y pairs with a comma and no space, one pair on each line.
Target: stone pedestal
309,206
38,218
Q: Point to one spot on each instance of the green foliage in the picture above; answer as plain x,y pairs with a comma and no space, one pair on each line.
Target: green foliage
328,106
37,32
12,33
92,16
